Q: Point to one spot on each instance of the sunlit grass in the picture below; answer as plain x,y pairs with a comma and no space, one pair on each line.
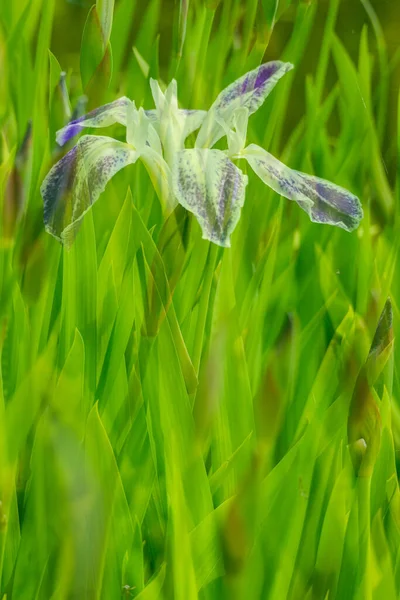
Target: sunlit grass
179,420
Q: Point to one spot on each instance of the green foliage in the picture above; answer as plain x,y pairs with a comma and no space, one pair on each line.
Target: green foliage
179,420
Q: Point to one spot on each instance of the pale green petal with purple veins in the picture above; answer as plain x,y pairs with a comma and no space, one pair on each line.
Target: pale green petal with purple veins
210,186
249,91
104,116
323,201
74,183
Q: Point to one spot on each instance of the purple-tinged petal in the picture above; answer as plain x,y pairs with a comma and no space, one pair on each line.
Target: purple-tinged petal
74,183
210,186
249,91
151,114
323,201
252,89
104,116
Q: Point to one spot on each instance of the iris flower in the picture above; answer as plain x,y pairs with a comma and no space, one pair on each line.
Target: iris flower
204,180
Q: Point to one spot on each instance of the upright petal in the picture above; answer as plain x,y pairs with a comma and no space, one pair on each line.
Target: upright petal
323,201
140,132
104,116
249,91
160,176
172,124
142,135
210,186
191,118
78,179
236,133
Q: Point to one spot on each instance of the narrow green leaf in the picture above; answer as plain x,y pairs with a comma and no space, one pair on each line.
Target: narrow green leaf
105,11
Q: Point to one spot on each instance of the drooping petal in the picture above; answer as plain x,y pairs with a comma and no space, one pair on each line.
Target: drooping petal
74,183
104,116
249,91
210,186
323,201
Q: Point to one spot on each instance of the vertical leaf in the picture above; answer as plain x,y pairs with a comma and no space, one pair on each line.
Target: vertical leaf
105,11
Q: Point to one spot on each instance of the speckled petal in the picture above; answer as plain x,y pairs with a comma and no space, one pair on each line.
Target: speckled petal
323,201
104,116
249,91
210,186
78,179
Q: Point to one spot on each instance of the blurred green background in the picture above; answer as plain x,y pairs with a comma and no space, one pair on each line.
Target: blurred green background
178,420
